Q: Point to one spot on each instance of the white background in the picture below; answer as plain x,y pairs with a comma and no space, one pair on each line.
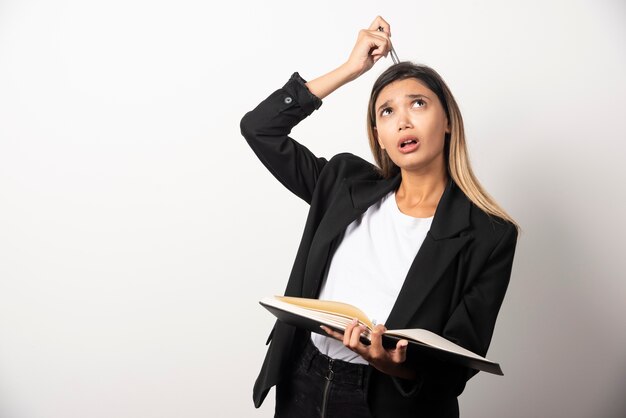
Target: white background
132,210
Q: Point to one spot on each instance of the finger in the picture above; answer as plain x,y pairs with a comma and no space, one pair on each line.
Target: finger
332,333
376,34
379,43
374,37
380,22
348,332
376,348
377,335
355,338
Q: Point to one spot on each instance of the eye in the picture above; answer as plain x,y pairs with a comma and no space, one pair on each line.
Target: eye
421,102
383,112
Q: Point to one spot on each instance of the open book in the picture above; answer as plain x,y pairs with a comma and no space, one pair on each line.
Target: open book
311,313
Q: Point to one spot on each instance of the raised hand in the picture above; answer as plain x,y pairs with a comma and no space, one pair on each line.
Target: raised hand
371,45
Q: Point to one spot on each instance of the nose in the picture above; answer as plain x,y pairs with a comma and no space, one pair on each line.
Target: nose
404,122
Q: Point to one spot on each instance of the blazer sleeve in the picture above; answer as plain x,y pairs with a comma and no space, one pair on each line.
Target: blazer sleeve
267,128
471,324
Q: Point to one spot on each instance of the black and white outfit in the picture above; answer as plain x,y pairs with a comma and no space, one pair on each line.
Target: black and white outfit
447,273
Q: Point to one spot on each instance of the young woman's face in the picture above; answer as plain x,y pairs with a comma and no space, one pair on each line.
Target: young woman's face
411,125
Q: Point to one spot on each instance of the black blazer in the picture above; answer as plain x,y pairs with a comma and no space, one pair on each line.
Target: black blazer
454,287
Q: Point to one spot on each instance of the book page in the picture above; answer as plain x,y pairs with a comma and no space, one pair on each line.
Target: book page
434,340
329,306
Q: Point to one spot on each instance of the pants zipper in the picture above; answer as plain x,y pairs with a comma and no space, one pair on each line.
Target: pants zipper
329,378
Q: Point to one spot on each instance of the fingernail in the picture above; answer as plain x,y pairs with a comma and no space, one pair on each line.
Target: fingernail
355,321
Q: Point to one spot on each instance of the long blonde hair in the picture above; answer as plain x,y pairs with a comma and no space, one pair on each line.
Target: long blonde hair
457,159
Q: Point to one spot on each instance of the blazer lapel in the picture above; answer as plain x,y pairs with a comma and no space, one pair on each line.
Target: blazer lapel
441,245
439,248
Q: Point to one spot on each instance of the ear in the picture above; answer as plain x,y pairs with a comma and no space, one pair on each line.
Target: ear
380,143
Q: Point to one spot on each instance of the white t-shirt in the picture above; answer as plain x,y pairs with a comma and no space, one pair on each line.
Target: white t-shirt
369,266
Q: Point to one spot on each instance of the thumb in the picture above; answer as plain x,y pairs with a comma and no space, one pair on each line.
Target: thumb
399,354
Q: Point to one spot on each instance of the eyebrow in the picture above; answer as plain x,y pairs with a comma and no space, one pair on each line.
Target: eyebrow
408,96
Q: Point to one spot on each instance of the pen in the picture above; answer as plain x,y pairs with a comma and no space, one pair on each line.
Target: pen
394,56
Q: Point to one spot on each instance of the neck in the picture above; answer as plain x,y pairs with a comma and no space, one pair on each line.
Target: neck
422,189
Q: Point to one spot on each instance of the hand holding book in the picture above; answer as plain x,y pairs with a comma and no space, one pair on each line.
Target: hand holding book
388,360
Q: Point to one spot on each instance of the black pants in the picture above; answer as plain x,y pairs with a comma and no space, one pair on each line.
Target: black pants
321,387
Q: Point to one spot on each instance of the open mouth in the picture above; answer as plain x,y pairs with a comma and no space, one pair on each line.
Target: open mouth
408,142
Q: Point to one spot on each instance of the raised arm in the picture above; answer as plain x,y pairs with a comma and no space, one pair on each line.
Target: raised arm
267,127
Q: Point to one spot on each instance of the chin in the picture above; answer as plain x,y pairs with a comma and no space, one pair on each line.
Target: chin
416,164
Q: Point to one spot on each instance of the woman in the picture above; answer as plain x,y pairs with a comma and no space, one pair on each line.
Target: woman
416,241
